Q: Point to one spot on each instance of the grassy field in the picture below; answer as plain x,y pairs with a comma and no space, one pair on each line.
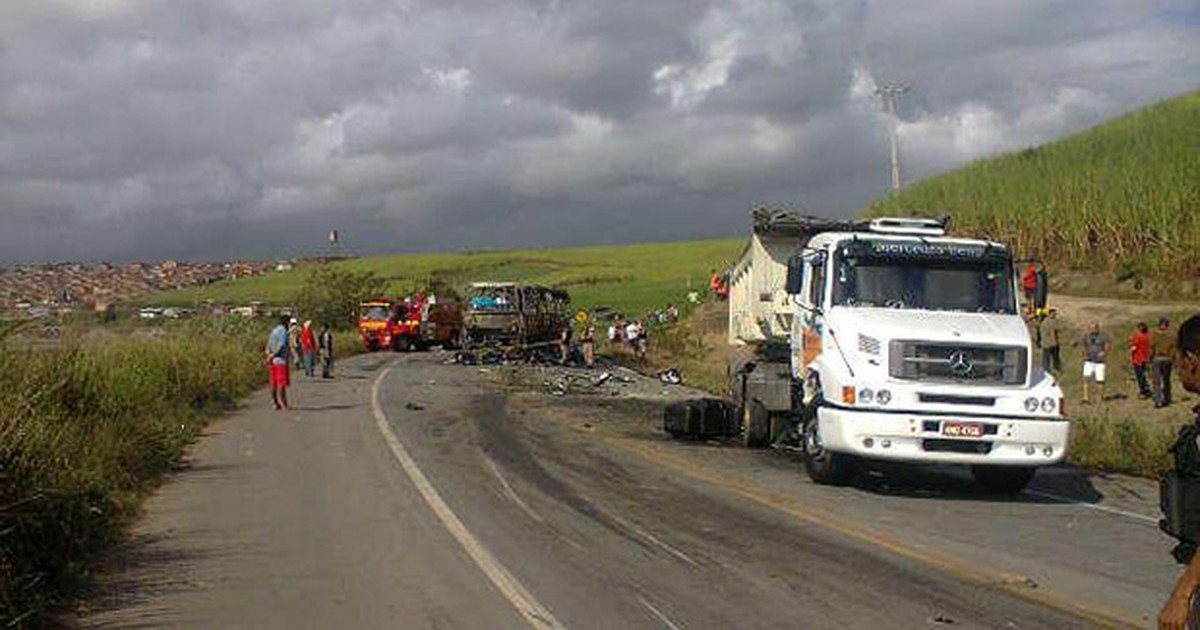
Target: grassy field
1122,198
629,278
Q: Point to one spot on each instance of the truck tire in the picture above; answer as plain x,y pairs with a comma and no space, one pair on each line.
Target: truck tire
756,424
824,467
1003,479
402,344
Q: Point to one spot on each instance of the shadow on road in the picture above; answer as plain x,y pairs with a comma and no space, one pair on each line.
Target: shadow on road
1064,483
140,571
1052,485
341,407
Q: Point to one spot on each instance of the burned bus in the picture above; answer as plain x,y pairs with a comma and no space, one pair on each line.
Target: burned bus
511,314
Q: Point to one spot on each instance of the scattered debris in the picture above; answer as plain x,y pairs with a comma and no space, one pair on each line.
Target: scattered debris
412,406
942,619
602,379
670,376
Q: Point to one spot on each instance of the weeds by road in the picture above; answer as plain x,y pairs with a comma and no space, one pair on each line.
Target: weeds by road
86,431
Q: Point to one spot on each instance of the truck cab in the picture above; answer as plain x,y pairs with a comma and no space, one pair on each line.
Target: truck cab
909,345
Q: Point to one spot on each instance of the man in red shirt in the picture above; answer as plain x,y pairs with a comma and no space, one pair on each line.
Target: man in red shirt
308,348
1029,284
1139,357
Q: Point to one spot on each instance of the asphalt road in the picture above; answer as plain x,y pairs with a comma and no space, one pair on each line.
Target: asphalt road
411,494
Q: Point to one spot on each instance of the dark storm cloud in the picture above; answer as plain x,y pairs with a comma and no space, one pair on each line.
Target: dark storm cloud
249,128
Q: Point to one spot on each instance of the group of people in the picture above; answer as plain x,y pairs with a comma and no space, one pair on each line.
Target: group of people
630,332
587,343
291,343
1151,355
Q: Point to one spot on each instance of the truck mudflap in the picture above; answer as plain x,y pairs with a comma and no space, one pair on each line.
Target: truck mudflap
943,439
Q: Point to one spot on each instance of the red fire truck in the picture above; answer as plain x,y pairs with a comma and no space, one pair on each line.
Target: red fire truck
415,322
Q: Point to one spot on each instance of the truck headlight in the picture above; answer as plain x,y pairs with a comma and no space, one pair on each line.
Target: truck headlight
865,396
883,397
1048,404
1032,404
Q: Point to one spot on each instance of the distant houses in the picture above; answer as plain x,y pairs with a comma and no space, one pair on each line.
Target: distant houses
45,290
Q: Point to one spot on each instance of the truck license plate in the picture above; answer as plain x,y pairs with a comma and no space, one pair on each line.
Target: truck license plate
962,429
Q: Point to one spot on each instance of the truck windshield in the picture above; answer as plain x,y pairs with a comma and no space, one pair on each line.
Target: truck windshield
375,312
960,282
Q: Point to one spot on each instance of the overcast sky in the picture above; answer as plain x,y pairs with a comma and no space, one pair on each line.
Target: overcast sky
215,129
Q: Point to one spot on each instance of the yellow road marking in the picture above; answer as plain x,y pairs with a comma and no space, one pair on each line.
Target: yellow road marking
981,574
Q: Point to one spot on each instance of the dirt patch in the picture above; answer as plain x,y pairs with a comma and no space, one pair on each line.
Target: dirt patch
1078,311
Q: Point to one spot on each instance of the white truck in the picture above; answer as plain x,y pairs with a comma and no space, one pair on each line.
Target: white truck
902,344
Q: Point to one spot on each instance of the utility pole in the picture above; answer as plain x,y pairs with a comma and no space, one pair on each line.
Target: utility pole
890,94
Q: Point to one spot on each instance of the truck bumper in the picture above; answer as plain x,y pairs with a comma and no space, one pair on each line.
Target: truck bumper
914,437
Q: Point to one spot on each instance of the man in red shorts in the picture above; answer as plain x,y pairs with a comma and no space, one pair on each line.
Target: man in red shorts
277,353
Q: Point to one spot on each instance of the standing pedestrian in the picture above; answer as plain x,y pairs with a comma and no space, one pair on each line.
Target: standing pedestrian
1095,356
1139,358
1162,354
308,346
1178,608
635,335
564,343
588,342
325,346
277,353
1029,286
294,338
1034,325
1052,342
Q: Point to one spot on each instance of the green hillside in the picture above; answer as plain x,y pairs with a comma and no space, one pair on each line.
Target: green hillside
631,278
1122,198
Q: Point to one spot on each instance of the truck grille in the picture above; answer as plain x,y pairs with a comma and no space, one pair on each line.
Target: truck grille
955,363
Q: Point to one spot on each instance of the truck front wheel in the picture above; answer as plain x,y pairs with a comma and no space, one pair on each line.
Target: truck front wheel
402,344
824,466
1003,479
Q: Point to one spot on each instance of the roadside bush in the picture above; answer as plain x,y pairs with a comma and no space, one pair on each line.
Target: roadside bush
87,431
1120,445
332,294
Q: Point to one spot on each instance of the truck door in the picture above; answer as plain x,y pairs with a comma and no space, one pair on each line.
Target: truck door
808,324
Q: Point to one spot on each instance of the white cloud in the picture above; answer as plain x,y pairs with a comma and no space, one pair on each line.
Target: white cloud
452,79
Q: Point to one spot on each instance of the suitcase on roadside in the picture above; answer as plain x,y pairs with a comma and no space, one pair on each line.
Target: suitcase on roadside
699,418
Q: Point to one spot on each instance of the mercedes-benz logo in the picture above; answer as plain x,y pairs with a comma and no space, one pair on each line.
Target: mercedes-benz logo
960,363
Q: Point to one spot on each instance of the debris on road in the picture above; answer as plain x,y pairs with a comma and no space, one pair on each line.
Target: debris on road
670,376
412,406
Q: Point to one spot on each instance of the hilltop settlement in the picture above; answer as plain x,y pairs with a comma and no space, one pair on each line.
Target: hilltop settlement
44,290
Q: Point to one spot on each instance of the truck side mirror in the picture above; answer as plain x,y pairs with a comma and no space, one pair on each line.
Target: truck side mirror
795,275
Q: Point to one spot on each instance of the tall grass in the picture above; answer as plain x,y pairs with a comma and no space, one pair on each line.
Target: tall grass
1123,197
86,431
